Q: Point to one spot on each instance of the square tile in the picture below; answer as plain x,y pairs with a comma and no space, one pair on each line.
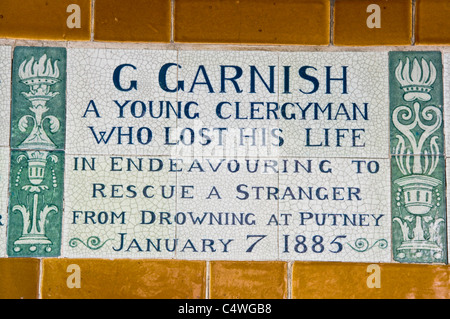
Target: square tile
20,278
334,104
416,97
248,280
116,105
225,209
144,21
38,105
335,209
119,207
36,203
432,21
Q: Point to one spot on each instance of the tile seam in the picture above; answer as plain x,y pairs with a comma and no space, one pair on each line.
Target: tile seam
218,47
92,20
208,280
242,157
332,3
289,279
172,21
41,277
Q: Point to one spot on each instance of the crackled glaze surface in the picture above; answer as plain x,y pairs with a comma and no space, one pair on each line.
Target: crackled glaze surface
227,155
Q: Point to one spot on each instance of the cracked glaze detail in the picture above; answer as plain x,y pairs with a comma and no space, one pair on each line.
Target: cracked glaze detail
227,155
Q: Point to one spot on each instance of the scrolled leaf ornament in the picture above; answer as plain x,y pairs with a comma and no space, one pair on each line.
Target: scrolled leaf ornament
362,244
93,242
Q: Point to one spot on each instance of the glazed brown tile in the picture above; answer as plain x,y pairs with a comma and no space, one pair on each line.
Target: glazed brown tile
19,278
139,21
248,280
361,281
432,22
126,278
303,22
45,19
372,22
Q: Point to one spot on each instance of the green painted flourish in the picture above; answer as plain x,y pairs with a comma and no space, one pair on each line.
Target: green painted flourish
93,242
362,244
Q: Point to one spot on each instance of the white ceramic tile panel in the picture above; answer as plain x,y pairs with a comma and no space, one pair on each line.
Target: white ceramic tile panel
90,75
5,94
337,209
233,113
4,183
366,83
129,184
226,218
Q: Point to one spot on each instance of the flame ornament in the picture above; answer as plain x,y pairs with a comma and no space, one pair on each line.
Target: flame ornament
416,137
39,76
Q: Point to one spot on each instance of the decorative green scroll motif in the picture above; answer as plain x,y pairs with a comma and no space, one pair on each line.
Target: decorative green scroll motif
37,156
93,242
362,244
418,164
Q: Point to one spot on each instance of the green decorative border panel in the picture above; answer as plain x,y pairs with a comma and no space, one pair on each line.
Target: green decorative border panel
418,167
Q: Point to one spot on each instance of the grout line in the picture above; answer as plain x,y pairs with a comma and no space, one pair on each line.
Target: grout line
289,279
218,47
331,22
413,22
208,279
92,20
